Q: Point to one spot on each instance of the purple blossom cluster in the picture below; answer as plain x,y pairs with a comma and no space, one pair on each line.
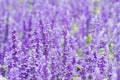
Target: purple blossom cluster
59,40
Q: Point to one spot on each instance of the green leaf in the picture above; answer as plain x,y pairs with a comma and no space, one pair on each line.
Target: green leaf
78,51
75,77
74,28
88,38
79,67
3,67
101,50
110,54
2,78
110,46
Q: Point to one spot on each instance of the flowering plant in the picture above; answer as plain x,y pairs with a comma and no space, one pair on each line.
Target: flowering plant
59,40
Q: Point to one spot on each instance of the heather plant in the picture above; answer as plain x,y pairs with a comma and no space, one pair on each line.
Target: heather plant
59,40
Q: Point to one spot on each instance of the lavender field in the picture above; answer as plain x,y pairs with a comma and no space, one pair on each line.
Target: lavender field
59,39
